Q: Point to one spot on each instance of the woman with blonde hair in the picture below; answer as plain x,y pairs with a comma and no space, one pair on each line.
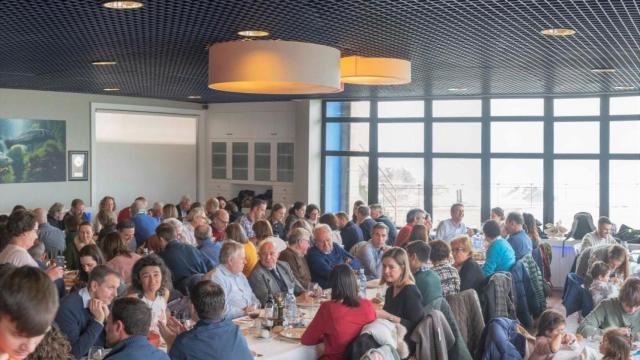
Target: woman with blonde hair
402,301
106,214
169,211
211,206
235,232
471,275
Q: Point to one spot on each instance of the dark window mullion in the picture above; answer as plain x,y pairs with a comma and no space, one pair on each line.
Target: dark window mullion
428,157
547,165
373,153
485,161
604,155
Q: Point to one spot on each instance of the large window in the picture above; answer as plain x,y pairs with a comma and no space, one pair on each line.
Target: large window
551,157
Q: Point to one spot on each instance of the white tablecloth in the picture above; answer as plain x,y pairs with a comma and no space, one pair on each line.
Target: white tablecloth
562,259
584,350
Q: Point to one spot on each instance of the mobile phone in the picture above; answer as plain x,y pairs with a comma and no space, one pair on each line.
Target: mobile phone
60,261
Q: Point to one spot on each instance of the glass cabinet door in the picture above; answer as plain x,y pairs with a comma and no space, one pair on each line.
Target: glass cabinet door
285,162
240,161
218,160
262,161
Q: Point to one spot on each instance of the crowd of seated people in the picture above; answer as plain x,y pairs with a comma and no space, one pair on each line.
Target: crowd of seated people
131,262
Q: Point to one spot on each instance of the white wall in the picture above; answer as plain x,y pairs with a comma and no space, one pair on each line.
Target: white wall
75,109
308,147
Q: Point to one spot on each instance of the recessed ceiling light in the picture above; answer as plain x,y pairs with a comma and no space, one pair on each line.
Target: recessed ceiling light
194,97
103,62
603,70
624,87
111,89
457,89
123,5
253,33
558,32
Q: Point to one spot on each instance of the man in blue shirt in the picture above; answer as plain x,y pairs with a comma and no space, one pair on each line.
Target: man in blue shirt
370,255
207,247
50,236
325,255
350,233
378,216
214,336
82,315
127,329
183,260
145,225
518,238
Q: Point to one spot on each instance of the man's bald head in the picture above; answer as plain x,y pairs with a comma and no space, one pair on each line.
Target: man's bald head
41,215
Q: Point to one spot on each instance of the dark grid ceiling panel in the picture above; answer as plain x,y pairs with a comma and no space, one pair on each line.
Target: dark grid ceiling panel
489,47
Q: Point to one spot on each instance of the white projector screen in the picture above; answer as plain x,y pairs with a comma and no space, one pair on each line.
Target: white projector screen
148,154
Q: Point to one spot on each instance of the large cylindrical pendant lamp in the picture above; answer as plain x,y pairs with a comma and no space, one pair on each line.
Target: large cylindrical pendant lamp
274,67
374,71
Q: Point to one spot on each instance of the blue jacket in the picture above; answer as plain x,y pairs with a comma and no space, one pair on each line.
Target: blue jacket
184,261
526,303
351,234
77,323
500,257
211,340
136,347
575,297
321,264
145,227
521,243
501,340
367,228
393,231
211,250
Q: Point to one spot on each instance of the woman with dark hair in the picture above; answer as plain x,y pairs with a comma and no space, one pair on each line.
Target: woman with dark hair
234,212
151,283
339,321
419,232
531,229
296,212
312,213
118,256
356,205
331,220
89,256
276,219
83,237
222,202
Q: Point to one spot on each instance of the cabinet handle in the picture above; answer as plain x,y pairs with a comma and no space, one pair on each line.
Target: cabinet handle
229,134
274,134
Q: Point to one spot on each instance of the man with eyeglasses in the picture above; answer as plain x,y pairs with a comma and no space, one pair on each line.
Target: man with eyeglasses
219,224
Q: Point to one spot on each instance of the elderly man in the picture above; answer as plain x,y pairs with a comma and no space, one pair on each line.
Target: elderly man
183,207
156,210
350,233
145,224
271,276
365,221
219,224
206,245
601,236
518,238
50,236
257,212
82,314
239,296
378,216
325,255
299,242
414,217
450,228
196,217
370,254
184,261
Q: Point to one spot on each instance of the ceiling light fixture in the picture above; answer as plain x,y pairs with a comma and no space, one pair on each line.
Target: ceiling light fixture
374,71
558,32
274,67
103,62
123,5
457,89
603,70
253,33
111,89
624,87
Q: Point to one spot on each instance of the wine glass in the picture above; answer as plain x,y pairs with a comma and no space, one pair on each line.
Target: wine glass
96,353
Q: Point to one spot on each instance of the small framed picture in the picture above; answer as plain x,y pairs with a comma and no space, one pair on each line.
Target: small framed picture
78,165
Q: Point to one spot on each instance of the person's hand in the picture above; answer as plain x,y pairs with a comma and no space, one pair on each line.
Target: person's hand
54,272
568,338
99,310
170,330
305,297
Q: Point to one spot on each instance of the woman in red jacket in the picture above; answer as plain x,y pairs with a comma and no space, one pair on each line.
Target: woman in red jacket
339,321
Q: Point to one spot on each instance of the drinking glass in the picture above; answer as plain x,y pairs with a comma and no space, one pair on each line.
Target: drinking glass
313,292
96,353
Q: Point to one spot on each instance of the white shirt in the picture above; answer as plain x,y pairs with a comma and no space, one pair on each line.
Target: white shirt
447,230
592,239
237,291
16,255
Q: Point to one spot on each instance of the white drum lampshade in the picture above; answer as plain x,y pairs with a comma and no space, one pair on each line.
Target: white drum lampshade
374,71
274,67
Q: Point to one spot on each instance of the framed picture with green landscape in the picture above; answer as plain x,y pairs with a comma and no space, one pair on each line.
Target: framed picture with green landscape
32,151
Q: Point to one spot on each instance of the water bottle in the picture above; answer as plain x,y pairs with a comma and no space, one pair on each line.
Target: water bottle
290,308
362,281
